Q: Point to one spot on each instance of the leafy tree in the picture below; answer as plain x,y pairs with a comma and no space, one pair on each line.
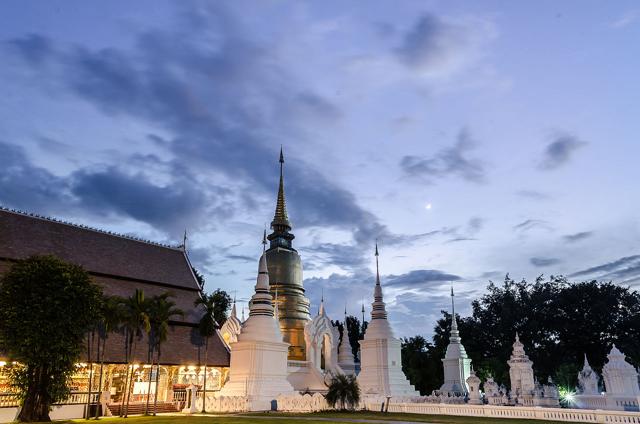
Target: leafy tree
421,364
47,307
222,303
207,328
161,310
343,391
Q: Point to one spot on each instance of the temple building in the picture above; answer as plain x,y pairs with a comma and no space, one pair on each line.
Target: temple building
456,363
521,373
120,265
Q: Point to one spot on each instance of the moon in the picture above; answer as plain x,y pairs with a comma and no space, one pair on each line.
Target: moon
428,206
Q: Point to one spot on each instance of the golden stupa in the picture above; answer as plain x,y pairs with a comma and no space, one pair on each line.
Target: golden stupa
285,278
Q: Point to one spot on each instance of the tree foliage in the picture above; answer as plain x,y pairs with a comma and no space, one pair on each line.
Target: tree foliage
558,322
47,307
343,392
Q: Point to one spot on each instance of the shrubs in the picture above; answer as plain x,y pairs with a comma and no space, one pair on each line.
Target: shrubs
344,392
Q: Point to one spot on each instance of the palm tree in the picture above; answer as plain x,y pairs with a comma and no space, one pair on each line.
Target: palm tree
110,320
343,390
135,322
207,328
161,311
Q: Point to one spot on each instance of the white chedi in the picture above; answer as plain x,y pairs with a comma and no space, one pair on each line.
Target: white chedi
456,363
381,367
521,370
231,328
259,358
345,353
587,379
473,383
620,377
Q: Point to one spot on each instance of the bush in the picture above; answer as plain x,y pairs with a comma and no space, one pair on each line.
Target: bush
344,392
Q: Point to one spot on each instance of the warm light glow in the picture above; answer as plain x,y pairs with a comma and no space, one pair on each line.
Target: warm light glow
135,366
192,368
2,363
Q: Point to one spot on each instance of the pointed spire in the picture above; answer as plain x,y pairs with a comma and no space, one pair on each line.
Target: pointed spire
362,311
233,308
321,309
281,217
454,336
281,237
378,310
261,301
242,319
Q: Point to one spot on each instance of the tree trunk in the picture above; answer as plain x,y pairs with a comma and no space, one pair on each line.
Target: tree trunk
126,372
34,407
146,408
90,338
101,359
204,386
126,408
155,397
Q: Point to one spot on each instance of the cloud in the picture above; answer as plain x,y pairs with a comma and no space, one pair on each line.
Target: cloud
560,151
572,238
28,187
34,48
171,207
450,161
438,46
623,270
532,224
544,262
420,278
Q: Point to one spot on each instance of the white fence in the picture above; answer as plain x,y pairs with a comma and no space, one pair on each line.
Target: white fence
533,413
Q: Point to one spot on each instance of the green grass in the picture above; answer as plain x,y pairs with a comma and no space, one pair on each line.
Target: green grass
288,418
417,418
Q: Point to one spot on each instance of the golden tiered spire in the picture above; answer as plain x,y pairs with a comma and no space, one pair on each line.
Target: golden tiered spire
280,217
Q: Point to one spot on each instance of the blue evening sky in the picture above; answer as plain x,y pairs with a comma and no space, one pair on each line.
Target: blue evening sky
473,139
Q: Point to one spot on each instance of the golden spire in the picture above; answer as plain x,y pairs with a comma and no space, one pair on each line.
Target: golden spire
280,217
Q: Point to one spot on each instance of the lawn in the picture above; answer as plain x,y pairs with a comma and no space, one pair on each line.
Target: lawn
417,418
317,418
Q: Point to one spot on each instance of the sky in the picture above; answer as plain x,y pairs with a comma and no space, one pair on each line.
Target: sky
472,139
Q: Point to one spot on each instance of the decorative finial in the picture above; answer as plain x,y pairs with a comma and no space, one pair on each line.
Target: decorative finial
281,155
280,224
321,308
184,241
264,239
345,309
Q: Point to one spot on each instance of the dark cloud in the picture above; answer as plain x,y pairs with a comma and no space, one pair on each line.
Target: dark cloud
241,258
560,151
34,48
623,270
171,207
532,224
220,99
544,262
571,238
28,187
533,195
420,278
432,43
451,161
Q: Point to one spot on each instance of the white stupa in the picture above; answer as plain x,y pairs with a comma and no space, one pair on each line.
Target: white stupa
620,377
259,357
381,366
456,363
521,371
345,353
588,379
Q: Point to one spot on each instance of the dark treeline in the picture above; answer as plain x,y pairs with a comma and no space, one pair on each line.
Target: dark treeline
558,322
